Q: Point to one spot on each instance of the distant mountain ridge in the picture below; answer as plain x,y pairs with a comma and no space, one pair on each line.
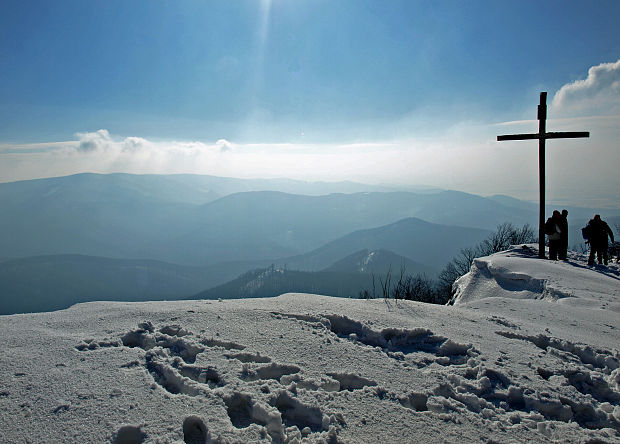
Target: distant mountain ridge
374,261
45,283
274,281
57,281
72,239
347,277
192,189
129,217
429,246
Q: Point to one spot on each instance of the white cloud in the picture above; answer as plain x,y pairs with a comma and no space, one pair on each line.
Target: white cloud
95,141
134,144
224,145
598,94
466,158
101,142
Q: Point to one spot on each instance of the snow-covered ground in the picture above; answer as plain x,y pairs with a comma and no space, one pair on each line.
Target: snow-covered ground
528,353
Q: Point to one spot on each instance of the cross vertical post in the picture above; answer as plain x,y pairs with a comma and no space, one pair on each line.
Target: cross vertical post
542,136
542,124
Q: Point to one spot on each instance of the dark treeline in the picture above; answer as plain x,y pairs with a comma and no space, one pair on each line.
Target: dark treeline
273,281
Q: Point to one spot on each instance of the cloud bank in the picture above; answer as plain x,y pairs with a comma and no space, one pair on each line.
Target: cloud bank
466,158
598,94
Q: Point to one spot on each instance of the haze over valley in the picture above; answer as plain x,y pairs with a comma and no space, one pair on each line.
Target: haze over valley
151,237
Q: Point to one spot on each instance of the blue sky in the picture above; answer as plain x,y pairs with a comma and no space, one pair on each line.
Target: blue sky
297,72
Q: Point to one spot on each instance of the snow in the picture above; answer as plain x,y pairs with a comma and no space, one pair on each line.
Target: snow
527,353
514,274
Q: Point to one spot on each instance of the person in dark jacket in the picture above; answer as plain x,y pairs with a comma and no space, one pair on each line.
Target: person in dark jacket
553,231
563,253
599,230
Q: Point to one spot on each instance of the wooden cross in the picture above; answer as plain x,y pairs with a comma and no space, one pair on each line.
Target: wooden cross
542,135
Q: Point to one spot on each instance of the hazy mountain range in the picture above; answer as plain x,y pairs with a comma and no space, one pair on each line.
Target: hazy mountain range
45,283
74,238
83,214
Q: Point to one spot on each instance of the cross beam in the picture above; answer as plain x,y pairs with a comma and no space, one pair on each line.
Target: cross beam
566,135
542,136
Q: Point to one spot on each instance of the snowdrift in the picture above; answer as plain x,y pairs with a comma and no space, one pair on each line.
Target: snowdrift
519,274
528,353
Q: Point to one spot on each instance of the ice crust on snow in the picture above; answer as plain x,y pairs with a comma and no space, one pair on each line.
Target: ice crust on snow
527,353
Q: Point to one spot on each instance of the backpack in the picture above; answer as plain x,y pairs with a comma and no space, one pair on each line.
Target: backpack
549,227
586,232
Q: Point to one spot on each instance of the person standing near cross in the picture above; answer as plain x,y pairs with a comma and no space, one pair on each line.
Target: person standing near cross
563,253
542,136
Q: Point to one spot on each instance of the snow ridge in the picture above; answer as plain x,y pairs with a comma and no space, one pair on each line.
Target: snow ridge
518,273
